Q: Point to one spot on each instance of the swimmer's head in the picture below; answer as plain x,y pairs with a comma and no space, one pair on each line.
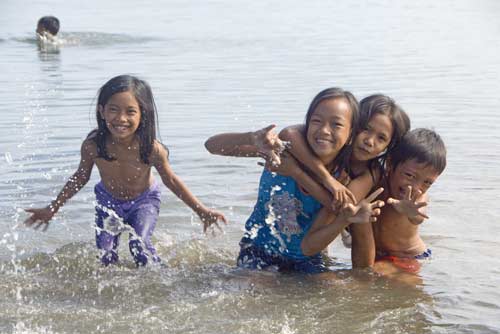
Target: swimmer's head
47,25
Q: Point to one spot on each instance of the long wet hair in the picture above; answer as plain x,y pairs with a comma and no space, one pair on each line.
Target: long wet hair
146,132
381,104
341,161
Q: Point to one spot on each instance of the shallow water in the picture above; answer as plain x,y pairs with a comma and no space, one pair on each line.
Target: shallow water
235,66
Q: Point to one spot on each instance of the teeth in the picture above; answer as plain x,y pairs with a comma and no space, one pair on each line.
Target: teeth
321,141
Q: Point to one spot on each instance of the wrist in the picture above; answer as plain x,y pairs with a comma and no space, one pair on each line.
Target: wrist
55,205
251,138
200,210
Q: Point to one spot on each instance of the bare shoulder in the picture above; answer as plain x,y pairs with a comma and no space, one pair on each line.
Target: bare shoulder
89,147
159,153
291,132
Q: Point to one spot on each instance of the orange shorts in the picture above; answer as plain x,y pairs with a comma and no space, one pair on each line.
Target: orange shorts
410,265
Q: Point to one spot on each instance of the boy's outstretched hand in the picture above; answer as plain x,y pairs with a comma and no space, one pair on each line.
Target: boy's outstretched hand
366,211
210,217
410,205
269,145
40,217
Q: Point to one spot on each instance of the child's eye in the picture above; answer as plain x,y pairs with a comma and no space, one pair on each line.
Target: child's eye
382,138
409,175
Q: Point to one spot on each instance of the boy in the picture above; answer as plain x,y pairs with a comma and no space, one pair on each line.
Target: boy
413,166
47,27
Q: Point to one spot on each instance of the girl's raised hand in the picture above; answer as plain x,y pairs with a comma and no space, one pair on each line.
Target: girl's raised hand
410,205
341,195
366,211
268,144
40,217
210,217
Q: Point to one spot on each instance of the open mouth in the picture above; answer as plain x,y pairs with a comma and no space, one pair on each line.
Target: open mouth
120,128
323,141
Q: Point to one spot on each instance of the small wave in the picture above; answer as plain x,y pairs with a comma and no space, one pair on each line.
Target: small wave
88,38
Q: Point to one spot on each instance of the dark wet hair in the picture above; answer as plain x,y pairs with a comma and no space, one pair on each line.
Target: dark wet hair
49,23
384,105
424,145
342,159
148,125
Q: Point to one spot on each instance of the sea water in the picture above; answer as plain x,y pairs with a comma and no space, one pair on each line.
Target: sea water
218,66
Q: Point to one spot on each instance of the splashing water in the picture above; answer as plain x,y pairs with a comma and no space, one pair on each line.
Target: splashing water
271,218
113,224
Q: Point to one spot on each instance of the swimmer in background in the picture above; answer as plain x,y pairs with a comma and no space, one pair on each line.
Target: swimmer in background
47,29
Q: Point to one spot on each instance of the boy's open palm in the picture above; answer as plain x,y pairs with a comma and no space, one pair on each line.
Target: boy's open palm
410,205
366,211
39,217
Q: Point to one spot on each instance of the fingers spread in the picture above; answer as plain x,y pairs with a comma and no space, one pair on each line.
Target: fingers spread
374,194
391,200
408,193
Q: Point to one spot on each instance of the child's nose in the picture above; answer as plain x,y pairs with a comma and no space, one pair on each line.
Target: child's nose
121,116
369,140
326,128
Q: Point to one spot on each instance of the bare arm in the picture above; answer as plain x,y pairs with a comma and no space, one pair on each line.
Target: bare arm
232,144
327,225
363,241
301,151
175,184
261,143
77,181
290,167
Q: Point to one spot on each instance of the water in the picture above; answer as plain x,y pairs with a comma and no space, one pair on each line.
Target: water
235,66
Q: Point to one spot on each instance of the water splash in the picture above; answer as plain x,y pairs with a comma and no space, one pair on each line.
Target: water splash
114,224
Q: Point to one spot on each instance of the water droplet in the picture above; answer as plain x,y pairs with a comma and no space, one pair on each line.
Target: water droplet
8,158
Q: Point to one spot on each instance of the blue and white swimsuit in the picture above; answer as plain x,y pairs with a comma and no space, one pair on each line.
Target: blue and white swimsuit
281,218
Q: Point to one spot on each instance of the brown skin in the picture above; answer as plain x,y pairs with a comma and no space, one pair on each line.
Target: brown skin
127,176
396,233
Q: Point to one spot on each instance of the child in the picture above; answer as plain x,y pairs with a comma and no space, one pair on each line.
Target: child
284,212
47,28
382,125
124,148
413,166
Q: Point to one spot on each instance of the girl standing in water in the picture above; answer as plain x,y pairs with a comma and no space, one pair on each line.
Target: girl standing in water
124,148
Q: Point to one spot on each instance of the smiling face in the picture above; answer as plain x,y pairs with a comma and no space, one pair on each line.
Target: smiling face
122,115
329,128
373,139
420,176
